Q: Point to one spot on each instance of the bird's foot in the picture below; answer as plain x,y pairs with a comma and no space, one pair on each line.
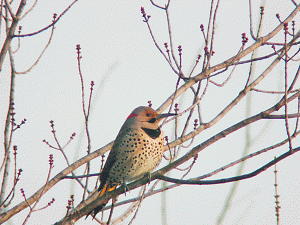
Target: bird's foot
124,186
148,176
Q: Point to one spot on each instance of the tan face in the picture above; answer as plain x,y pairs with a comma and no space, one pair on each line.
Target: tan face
148,115
145,117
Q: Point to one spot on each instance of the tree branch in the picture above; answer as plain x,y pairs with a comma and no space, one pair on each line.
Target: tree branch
10,32
231,179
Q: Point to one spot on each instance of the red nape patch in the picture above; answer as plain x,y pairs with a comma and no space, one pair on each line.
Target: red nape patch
131,115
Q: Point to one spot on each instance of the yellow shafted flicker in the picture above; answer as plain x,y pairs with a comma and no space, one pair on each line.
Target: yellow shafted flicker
137,150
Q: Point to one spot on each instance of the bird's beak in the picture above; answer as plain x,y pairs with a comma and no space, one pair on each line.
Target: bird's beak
160,116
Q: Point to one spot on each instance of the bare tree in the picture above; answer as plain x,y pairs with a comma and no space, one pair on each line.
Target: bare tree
283,48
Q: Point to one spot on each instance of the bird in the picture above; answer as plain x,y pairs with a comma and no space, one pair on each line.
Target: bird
137,151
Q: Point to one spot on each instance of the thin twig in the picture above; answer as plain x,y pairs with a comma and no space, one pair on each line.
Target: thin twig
42,192
10,32
13,16
42,53
50,25
29,10
211,52
139,204
276,195
146,20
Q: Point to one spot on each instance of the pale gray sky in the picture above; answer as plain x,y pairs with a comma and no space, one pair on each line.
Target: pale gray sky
120,57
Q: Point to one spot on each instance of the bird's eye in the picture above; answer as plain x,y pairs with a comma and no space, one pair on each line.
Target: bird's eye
148,114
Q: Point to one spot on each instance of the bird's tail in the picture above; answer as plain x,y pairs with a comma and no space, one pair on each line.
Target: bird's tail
107,187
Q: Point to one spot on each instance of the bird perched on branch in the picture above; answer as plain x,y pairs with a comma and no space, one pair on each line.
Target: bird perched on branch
137,150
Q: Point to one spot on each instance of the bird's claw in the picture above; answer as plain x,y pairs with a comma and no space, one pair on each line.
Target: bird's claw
124,186
148,176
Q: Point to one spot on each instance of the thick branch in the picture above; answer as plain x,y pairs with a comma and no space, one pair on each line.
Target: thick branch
94,200
223,134
231,179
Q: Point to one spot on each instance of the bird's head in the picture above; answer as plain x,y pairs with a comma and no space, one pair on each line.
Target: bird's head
146,117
